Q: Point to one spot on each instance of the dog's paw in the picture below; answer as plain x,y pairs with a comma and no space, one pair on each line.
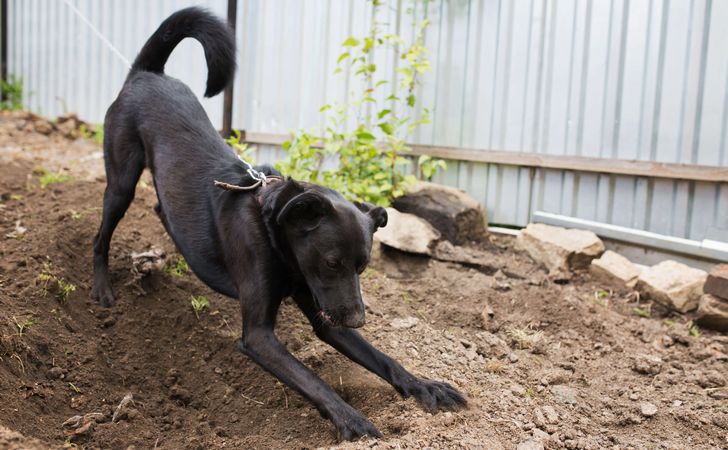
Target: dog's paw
103,294
436,395
355,426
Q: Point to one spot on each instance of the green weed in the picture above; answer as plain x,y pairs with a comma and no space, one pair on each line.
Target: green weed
12,90
199,304
23,326
178,269
62,287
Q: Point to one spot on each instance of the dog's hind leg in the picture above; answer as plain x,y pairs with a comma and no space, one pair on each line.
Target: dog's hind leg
432,395
124,160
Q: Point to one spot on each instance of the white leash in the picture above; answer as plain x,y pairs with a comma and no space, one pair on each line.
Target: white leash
97,32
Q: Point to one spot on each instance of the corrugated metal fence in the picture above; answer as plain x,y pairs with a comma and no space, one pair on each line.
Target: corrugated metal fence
644,80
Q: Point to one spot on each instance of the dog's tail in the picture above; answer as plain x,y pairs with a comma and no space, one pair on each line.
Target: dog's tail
216,37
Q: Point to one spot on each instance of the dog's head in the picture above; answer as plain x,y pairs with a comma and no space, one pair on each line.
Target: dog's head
331,240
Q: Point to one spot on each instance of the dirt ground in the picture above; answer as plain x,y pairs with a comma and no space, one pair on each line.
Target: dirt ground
567,365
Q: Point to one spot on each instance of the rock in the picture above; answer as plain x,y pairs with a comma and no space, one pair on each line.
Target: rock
456,215
530,445
42,126
648,409
559,249
647,364
713,312
484,261
408,233
181,394
57,373
673,284
144,263
564,394
491,345
487,314
545,415
401,324
717,282
614,270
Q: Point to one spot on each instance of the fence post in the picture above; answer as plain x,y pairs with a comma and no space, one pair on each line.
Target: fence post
227,108
3,45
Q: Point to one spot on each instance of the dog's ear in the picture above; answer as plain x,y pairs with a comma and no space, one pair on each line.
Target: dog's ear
305,211
377,213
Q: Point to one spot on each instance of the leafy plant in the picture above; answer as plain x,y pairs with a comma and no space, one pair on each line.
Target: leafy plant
241,148
62,288
642,312
178,269
199,304
359,151
96,134
23,326
12,90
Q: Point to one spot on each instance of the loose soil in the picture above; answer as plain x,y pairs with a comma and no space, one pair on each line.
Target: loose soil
562,365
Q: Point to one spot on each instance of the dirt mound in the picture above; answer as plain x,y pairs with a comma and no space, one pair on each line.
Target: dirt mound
565,365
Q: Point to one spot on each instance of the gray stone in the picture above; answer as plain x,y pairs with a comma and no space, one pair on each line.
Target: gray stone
564,394
456,215
407,322
530,445
408,233
615,270
648,409
717,282
673,284
713,312
559,249
647,364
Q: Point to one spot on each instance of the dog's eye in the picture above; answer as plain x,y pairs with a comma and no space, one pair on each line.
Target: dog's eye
332,263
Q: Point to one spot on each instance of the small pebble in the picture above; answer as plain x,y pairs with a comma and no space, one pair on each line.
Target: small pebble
648,409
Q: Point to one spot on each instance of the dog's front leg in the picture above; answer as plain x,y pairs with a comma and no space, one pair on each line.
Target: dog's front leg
432,395
261,345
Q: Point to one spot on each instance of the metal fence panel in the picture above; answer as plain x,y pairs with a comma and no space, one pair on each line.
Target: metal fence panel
622,79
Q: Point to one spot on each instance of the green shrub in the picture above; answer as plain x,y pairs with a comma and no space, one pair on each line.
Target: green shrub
12,90
365,158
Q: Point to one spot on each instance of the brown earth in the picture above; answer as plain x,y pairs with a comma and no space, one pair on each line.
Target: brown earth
567,365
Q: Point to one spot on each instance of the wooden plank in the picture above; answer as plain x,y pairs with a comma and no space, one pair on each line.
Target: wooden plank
559,162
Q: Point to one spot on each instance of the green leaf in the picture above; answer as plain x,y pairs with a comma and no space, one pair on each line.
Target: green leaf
383,113
386,128
350,42
411,100
342,57
364,135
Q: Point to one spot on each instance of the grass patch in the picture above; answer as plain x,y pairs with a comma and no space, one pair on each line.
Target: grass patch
48,178
642,312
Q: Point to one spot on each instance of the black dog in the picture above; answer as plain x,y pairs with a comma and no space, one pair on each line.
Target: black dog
284,238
